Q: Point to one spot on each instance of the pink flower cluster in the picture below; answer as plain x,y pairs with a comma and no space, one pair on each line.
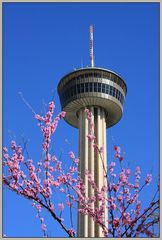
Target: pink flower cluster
48,126
41,184
148,179
90,135
118,153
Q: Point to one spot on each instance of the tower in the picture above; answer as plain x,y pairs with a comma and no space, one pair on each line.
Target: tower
103,92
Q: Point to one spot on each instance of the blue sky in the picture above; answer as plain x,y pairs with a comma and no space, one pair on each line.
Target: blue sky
44,41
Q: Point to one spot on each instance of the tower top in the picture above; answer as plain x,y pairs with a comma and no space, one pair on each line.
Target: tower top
91,45
92,86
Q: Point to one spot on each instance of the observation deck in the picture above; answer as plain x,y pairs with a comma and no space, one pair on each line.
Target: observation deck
92,86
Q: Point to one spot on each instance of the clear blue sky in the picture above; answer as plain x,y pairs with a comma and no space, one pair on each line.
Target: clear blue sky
44,41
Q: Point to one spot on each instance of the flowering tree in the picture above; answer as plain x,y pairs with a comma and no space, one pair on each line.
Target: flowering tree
40,182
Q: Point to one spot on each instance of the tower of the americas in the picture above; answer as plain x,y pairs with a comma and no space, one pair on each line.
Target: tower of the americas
103,92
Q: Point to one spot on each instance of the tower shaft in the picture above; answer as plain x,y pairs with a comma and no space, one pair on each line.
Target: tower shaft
91,160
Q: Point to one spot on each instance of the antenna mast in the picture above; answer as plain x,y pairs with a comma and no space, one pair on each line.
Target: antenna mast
91,45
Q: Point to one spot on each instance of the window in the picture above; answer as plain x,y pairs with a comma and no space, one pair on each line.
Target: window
71,91
95,74
114,92
108,76
119,95
104,75
90,74
111,90
103,88
82,87
115,79
95,87
86,87
67,94
75,90
91,87
78,88
107,89
99,87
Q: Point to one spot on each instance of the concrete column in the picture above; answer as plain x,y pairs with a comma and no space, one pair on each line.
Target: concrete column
105,162
83,165
90,160
91,224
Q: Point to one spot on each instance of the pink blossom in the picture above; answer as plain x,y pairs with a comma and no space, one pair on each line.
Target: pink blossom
117,149
72,156
115,187
72,169
148,179
138,170
120,198
5,149
44,228
51,207
71,231
62,190
136,185
60,207
86,110
117,155
116,222
100,197
122,177
13,145
101,149
127,172
126,190
89,115
62,114
38,117
92,199
46,182
13,186
112,164
42,219
51,106
121,158
113,206
55,183
6,156
46,164
90,137
39,208
44,145
76,160
69,204
113,174
51,169
74,180
96,148
54,159
49,191
138,207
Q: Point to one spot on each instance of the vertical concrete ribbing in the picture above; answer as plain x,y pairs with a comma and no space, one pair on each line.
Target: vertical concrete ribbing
91,161
80,217
105,163
91,224
85,167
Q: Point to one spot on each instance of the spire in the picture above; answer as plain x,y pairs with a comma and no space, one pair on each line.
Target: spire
91,45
